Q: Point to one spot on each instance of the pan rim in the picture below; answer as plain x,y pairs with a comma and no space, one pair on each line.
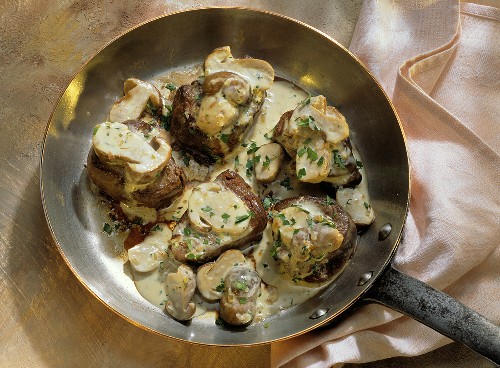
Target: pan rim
135,323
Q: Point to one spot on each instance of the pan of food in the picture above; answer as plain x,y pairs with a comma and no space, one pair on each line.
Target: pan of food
238,181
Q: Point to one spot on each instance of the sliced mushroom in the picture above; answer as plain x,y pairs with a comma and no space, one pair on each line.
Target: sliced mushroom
210,277
271,157
238,305
143,152
259,73
357,205
132,105
147,255
180,287
212,207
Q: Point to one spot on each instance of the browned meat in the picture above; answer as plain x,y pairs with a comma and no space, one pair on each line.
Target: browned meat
110,178
311,253
195,245
344,171
206,149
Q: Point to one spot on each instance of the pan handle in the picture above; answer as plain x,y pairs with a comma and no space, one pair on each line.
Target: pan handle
437,310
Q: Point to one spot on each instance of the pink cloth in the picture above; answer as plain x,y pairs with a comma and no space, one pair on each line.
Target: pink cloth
440,63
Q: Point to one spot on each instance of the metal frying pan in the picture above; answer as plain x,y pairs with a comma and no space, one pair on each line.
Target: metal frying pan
313,61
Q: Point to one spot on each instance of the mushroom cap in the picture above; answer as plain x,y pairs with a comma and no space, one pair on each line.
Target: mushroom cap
137,93
210,277
180,288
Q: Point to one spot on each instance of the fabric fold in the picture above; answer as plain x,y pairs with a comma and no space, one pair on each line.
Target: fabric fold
439,61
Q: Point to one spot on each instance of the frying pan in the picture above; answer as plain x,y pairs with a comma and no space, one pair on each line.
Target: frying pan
316,63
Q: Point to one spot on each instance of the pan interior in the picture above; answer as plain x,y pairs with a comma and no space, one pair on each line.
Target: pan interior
299,54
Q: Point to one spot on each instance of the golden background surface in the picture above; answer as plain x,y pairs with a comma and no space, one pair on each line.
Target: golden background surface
47,318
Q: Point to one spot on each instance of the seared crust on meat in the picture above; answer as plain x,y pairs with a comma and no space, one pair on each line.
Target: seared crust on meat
158,194
186,106
257,224
204,148
278,129
110,178
344,224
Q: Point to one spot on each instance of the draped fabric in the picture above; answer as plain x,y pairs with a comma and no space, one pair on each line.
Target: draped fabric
439,61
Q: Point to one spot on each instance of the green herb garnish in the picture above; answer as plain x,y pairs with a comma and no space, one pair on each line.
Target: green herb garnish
107,228
170,86
241,218
301,173
286,183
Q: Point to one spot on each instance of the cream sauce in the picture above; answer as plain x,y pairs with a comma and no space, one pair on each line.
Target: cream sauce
278,292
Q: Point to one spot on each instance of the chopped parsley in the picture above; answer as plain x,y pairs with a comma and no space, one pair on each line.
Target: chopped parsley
187,231
243,300
268,202
321,160
96,128
301,151
186,158
151,109
367,206
359,164
252,148
329,201
225,217
156,228
220,287
242,218
306,101
170,86
311,154
240,285
307,122
208,210
267,136
273,251
286,183
301,173
236,161
224,137
107,228
266,162
338,160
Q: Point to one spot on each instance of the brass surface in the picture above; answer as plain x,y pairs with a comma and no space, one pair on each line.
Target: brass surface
47,318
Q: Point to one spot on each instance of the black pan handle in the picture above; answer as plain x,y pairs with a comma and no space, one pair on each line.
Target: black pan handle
437,310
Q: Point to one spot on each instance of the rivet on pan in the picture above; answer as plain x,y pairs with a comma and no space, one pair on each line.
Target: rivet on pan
384,232
319,313
363,279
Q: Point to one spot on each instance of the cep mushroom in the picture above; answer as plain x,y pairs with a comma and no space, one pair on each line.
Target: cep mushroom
147,255
238,305
355,202
210,277
317,136
180,287
269,164
137,93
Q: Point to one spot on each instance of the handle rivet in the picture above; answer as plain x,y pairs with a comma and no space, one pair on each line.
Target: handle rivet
384,232
363,279
319,313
